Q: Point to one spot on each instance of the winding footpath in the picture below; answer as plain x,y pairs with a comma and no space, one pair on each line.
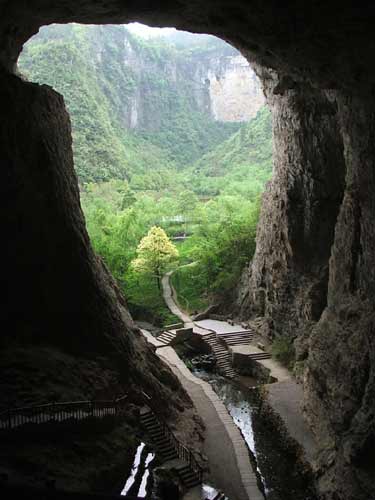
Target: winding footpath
227,453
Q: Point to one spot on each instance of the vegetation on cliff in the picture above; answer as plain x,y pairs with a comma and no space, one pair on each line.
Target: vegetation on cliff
147,153
132,102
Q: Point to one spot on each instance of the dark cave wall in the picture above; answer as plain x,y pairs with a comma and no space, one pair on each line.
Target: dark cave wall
340,378
313,273
58,293
54,283
287,280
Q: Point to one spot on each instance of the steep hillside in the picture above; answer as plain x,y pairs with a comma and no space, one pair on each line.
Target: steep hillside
240,165
135,103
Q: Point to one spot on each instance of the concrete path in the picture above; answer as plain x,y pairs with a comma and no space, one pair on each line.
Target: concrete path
219,326
227,453
170,300
285,399
277,371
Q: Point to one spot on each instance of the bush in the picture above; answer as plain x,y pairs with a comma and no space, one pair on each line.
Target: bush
283,350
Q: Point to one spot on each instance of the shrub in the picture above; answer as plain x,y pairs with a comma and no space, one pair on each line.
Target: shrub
283,350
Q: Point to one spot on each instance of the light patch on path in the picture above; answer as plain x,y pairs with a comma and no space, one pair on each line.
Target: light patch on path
219,326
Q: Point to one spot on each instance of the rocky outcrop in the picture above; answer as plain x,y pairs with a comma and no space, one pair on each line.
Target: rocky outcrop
57,292
308,275
340,378
288,277
235,94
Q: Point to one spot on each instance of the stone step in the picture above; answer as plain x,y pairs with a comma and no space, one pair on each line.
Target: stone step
259,356
237,336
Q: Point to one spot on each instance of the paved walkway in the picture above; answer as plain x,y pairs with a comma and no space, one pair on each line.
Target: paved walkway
228,456
219,326
285,399
170,300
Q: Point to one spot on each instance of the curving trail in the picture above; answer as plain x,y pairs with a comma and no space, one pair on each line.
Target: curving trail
170,299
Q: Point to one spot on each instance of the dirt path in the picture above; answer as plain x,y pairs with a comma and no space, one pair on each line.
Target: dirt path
171,300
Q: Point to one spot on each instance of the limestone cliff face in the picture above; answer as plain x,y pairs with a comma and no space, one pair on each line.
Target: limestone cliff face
217,81
234,89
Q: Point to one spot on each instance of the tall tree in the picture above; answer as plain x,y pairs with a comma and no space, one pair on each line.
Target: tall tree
155,252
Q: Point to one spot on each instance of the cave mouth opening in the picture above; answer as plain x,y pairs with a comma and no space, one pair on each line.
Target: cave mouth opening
169,129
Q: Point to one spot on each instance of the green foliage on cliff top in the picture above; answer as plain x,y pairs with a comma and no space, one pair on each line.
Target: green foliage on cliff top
102,71
242,164
177,162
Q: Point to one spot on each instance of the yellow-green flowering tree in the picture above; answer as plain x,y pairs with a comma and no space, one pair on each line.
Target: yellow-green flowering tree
154,253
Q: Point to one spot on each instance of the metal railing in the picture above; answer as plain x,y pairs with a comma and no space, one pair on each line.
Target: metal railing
13,418
182,451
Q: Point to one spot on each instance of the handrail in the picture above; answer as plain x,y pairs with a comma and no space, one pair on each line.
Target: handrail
182,451
59,411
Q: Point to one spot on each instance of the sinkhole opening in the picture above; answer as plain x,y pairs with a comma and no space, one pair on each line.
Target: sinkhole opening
172,148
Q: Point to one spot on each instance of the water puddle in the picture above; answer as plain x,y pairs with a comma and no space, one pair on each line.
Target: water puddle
209,493
139,474
131,479
142,492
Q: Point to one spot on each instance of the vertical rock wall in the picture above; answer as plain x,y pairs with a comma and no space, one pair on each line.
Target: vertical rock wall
287,280
57,292
313,274
340,379
46,238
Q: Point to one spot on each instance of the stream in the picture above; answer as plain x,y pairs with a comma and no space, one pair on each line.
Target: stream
281,476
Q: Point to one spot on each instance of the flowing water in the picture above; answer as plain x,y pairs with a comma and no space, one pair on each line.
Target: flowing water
277,467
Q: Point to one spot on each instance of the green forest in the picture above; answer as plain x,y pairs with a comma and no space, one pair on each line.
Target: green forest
164,176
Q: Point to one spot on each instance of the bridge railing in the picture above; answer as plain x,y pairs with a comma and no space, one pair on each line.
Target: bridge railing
57,412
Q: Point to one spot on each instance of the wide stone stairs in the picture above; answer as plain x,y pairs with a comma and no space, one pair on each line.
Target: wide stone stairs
167,337
223,360
167,449
237,338
257,356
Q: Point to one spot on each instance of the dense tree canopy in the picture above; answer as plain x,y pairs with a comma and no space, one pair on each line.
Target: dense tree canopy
179,175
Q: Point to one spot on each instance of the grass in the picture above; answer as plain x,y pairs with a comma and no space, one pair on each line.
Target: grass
189,288
283,350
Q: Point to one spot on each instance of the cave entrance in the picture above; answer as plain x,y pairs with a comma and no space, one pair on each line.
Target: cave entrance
170,130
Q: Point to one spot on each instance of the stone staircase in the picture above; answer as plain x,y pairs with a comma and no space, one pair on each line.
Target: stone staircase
167,337
256,356
165,443
223,360
237,338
